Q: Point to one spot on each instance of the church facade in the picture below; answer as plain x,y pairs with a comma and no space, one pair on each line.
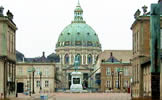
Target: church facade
77,39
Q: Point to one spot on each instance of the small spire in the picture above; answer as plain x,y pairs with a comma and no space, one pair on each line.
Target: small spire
78,3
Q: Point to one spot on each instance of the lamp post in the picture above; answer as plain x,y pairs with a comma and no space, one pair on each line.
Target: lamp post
29,71
112,79
40,73
118,70
33,70
131,81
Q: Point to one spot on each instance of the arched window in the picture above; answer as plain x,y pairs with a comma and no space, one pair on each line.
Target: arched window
79,58
89,59
66,59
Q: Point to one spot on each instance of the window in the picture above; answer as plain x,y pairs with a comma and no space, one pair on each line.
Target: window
28,84
46,83
108,84
46,71
125,83
116,71
108,71
66,59
37,71
126,71
89,59
116,83
38,83
20,71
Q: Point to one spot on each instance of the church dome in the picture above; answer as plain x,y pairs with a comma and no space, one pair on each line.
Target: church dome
78,33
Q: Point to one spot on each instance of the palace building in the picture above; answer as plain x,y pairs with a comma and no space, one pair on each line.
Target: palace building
7,54
141,62
116,70
35,75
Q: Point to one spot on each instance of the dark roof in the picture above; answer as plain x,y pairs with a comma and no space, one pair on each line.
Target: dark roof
36,59
51,58
19,53
112,59
19,56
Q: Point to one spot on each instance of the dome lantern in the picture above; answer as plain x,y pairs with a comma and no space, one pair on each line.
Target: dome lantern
78,14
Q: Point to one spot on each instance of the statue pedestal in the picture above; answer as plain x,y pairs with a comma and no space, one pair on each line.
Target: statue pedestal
76,82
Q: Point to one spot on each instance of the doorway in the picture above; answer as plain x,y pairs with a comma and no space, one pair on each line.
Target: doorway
20,87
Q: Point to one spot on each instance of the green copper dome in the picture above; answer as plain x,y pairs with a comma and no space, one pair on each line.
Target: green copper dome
78,33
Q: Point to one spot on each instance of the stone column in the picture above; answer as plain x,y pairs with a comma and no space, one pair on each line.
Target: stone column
73,58
63,62
82,59
69,59
60,58
86,60
93,59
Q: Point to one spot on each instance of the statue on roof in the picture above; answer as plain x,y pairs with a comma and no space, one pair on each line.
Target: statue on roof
137,14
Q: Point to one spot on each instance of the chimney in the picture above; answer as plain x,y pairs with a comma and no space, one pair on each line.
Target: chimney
120,60
43,54
111,54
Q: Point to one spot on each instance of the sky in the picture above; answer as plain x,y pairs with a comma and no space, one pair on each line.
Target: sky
40,22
